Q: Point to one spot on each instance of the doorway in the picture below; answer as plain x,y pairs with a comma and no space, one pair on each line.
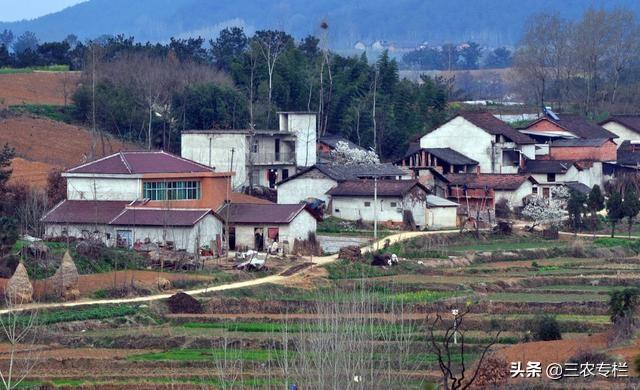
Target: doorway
124,238
277,149
273,177
258,234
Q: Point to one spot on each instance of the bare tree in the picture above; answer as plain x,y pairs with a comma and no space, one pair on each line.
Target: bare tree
451,354
18,330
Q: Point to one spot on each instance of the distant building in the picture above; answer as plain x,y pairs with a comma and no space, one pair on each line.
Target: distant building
482,191
552,173
625,127
547,128
276,154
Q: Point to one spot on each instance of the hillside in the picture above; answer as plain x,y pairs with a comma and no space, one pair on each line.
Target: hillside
406,22
37,87
42,144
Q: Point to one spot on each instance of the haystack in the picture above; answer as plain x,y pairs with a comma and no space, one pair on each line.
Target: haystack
65,280
19,289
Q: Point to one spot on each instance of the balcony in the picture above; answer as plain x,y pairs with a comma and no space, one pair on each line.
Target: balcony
272,158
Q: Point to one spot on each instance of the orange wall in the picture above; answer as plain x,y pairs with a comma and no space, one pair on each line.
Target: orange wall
213,190
606,152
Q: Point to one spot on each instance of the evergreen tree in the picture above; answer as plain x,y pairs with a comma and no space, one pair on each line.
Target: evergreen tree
630,207
615,211
595,203
576,207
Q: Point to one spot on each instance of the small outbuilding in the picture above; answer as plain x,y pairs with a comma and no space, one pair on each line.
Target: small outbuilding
257,226
441,213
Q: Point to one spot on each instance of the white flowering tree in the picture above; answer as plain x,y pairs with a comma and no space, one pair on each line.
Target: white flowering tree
344,155
545,211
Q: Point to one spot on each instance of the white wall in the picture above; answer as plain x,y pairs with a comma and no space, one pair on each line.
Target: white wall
441,217
302,187
304,126
99,188
515,197
353,208
303,224
195,146
463,137
183,237
622,132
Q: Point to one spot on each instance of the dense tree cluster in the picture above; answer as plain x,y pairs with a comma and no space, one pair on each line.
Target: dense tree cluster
465,56
591,65
149,93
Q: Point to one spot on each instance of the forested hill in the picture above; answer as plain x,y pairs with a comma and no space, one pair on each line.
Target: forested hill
404,22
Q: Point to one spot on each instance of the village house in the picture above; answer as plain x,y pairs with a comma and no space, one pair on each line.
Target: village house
575,149
482,139
328,143
553,173
132,197
314,182
422,162
553,126
397,202
482,191
629,154
274,155
257,226
625,127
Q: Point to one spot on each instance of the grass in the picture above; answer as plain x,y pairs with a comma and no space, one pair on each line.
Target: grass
609,242
31,69
90,313
57,113
576,287
256,355
206,381
546,298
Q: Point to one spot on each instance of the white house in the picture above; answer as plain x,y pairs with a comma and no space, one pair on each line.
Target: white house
441,213
256,226
626,127
354,200
482,138
275,154
551,173
315,181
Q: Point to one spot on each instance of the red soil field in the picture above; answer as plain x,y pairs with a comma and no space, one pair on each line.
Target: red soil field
37,87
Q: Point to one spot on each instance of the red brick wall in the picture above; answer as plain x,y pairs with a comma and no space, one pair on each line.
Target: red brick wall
545,125
606,152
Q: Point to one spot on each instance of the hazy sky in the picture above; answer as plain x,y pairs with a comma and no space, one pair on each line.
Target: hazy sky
11,10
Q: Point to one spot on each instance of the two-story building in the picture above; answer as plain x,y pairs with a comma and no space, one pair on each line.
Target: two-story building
476,138
274,155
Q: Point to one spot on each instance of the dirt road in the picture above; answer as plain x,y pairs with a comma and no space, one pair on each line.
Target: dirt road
276,279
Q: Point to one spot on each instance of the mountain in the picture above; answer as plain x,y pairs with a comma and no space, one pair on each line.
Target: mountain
404,22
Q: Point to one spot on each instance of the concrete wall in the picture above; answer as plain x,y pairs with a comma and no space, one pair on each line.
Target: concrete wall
83,188
305,186
195,146
590,176
622,132
515,197
304,126
441,217
303,224
183,237
353,208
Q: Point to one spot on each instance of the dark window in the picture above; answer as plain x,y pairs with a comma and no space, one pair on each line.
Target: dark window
367,204
285,174
551,177
393,204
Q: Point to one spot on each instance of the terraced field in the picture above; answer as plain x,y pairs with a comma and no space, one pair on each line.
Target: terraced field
351,323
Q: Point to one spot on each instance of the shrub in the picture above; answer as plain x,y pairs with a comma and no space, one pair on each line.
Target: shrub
502,209
545,328
591,356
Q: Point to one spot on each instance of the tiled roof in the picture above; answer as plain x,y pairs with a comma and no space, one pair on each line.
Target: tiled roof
628,153
84,211
451,156
239,197
160,217
487,180
243,213
579,126
365,187
579,142
577,186
546,166
140,163
351,172
493,125
632,122
332,140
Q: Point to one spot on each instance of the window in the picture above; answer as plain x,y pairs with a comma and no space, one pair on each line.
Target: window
551,177
171,190
534,190
285,174
367,204
255,146
393,204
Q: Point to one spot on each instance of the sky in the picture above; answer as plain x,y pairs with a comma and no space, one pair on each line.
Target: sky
12,10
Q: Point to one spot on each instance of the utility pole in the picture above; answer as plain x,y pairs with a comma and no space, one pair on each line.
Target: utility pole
228,202
375,211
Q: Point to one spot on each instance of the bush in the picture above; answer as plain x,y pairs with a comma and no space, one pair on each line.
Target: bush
591,357
502,209
545,328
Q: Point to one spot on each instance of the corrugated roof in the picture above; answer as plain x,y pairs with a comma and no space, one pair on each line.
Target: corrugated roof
350,172
84,211
160,217
140,163
488,180
579,142
436,201
243,213
365,187
492,125
578,126
631,122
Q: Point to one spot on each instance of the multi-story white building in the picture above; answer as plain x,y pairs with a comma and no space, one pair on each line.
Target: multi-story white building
274,155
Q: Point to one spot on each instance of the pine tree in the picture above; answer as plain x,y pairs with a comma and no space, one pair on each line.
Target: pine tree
595,203
615,211
630,207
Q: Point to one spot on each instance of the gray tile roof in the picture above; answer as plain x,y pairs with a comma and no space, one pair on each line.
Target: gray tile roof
546,166
351,172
